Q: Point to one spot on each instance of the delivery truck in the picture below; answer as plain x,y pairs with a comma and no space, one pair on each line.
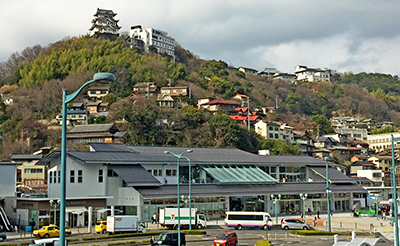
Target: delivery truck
124,224
169,218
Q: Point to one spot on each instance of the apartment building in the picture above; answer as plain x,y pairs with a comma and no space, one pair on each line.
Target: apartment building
157,38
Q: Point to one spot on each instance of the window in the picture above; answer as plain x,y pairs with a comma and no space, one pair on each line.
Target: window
59,176
55,177
50,177
159,172
168,172
33,170
80,176
155,172
271,135
276,136
111,173
101,176
271,128
72,176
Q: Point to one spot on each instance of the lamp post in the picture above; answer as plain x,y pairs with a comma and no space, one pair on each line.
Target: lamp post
190,193
303,197
275,201
98,77
327,194
56,203
394,198
178,156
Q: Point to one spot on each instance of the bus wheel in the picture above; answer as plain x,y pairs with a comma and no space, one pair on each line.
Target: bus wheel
265,227
239,227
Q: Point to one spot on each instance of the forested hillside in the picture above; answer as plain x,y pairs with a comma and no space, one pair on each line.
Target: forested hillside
38,75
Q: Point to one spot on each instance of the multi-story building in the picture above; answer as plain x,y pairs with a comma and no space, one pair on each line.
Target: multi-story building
268,72
353,133
380,142
304,73
154,37
274,130
104,25
97,93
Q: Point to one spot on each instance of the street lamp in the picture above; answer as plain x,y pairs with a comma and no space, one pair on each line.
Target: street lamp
56,203
275,201
303,197
98,77
394,198
178,156
190,193
327,194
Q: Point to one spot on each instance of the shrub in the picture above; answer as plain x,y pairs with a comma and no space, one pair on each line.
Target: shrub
312,233
122,243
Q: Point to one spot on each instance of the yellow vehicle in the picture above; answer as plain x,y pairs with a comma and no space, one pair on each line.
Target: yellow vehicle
101,227
50,231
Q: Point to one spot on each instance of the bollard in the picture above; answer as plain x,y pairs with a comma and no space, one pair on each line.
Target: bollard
335,238
285,235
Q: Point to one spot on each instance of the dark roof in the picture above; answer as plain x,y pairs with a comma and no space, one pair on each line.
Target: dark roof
209,190
111,147
136,175
8,163
334,175
114,153
360,163
91,128
26,157
362,179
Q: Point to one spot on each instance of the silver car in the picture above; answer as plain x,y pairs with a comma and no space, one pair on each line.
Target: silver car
289,224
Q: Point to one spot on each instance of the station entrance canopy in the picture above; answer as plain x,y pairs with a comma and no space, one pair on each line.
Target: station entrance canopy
238,174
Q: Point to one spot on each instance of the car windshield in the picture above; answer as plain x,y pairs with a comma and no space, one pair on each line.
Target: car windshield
43,228
161,237
98,223
222,236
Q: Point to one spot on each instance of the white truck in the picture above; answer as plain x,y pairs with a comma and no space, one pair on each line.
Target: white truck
124,224
169,218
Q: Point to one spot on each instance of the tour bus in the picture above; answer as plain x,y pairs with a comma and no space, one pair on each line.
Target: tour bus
248,219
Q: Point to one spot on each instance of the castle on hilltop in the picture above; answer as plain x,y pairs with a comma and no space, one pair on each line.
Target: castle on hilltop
104,25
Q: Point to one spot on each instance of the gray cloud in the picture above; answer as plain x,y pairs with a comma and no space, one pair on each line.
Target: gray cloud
356,36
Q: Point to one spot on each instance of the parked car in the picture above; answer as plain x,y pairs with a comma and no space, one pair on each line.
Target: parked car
170,239
50,231
2,237
288,223
101,227
227,238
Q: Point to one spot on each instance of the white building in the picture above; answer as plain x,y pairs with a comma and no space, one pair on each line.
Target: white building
379,142
157,38
287,77
274,130
8,180
304,73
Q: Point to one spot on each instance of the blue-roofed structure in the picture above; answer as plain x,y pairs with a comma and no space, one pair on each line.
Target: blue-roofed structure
144,178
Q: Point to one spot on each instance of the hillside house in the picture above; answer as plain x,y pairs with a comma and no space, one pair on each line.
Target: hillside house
303,73
74,117
219,104
274,130
97,133
176,91
268,72
383,162
287,77
97,93
247,70
149,88
242,99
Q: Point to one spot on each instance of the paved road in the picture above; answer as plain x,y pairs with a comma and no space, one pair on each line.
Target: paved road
339,222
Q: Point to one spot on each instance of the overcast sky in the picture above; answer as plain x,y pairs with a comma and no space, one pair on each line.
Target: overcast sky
343,35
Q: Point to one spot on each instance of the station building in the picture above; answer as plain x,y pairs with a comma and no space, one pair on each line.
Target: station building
139,180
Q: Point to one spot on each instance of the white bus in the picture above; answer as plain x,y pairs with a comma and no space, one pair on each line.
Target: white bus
248,219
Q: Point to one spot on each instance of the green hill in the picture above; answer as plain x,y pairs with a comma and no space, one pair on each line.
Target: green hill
41,73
